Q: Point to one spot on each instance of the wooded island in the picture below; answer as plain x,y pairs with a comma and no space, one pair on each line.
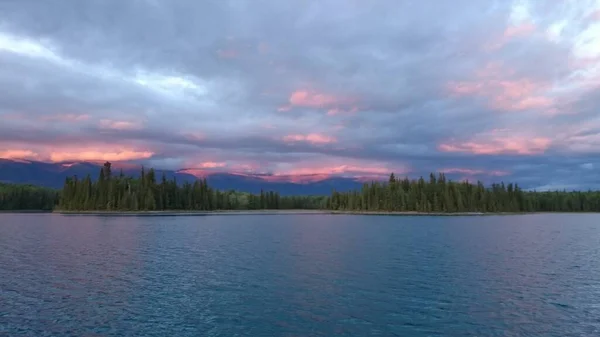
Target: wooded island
120,193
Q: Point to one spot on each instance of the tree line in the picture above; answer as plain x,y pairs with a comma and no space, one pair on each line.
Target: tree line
26,197
441,195
123,193
111,192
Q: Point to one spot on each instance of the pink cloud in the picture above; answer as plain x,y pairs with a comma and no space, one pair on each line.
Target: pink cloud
506,94
119,125
299,179
211,164
66,118
511,32
338,169
317,171
207,168
19,154
13,116
245,167
313,138
198,173
526,103
57,153
312,99
595,15
522,29
339,111
203,173
98,155
69,118
298,172
500,145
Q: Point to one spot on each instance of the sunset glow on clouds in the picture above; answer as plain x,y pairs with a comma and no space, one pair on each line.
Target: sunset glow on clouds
297,91
312,171
99,155
503,93
313,138
118,125
66,118
513,31
493,144
315,100
18,154
93,153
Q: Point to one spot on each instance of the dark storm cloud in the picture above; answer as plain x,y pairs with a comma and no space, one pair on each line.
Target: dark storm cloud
481,89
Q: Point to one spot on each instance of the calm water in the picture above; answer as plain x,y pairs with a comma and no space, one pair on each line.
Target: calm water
300,275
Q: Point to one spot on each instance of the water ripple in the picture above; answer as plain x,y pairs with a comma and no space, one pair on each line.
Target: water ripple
305,275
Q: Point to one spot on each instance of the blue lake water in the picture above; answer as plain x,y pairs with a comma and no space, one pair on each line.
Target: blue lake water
299,275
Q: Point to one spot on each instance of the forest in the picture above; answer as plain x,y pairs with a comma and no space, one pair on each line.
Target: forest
441,195
26,198
110,192
147,193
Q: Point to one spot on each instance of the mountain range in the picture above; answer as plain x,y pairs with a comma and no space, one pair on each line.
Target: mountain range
53,175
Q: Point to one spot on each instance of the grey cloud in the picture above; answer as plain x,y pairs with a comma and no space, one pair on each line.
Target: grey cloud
393,59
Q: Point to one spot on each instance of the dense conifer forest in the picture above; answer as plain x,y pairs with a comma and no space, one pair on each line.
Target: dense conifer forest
26,198
440,195
147,193
110,192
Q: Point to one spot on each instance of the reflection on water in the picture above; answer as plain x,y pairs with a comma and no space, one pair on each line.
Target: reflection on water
306,275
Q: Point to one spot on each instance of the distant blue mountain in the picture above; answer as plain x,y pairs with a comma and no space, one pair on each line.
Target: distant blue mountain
54,174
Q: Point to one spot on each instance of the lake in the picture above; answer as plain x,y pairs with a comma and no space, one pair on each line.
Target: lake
300,275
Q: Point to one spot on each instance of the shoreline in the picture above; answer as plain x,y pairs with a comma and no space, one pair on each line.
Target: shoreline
25,211
279,212
190,213
275,212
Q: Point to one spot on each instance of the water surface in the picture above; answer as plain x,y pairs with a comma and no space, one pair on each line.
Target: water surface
299,275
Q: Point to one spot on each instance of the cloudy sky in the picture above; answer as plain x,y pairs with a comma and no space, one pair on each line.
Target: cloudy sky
482,89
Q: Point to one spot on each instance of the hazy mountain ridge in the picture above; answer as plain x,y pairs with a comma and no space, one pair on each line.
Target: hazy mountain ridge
54,174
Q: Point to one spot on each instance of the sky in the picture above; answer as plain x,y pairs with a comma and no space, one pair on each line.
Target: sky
481,89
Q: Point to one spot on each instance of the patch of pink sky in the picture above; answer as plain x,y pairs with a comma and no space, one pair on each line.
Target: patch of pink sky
73,153
333,104
68,118
511,32
313,138
304,172
494,145
110,124
504,92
